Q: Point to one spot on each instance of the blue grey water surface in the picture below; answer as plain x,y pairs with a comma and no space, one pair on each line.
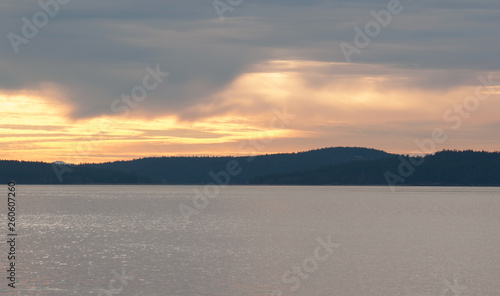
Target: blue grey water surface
259,241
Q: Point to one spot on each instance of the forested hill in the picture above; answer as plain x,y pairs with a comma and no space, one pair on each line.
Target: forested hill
27,172
181,170
445,168
196,170
329,166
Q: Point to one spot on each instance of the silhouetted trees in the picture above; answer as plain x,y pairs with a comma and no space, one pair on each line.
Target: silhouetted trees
195,170
328,166
445,168
25,172
183,170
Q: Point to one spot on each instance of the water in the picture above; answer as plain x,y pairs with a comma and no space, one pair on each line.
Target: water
133,240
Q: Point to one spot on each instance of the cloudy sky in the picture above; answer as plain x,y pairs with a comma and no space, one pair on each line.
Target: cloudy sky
86,80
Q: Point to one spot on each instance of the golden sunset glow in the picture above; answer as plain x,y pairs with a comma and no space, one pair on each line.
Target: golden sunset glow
350,109
241,147
49,136
109,83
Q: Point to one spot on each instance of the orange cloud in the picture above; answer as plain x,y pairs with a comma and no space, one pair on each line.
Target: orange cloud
335,104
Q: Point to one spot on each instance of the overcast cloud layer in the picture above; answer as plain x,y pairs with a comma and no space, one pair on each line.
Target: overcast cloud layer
225,77
94,51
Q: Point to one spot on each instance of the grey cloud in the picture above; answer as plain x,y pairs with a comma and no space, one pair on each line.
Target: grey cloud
97,50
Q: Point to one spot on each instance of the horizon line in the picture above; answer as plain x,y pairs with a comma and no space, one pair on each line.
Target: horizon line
257,155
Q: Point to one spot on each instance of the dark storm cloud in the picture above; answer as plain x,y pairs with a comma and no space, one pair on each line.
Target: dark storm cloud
95,51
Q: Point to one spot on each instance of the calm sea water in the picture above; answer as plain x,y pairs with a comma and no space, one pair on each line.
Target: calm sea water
311,241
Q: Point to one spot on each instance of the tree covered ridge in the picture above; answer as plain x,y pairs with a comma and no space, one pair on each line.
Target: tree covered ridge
182,170
445,168
327,166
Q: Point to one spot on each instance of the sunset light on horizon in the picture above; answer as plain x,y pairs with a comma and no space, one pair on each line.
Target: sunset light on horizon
210,86
338,110
250,147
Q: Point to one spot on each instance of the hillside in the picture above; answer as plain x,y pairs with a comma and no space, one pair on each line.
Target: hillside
328,166
27,172
445,168
195,170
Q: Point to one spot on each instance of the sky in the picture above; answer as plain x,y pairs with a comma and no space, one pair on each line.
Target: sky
97,81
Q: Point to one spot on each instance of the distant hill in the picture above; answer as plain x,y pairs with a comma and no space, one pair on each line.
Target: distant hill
27,172
328,166
445,168
195,170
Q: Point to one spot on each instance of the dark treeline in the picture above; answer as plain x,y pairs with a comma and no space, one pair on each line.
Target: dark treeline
445,168
328,166
196,170
182,170
26,172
